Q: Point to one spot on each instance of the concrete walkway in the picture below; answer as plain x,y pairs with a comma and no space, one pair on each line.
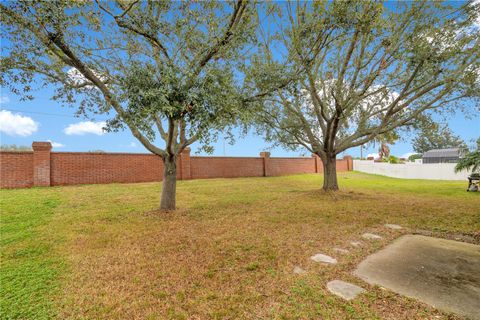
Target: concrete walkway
439,272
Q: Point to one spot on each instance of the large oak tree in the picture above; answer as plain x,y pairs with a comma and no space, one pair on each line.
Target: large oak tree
370,68
169,71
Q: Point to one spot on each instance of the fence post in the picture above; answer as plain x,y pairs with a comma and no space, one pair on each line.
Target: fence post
185,171
266,163
41,163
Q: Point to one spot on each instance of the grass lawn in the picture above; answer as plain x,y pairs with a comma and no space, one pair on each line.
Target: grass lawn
102,252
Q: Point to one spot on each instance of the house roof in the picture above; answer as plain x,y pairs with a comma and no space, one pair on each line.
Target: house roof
442,153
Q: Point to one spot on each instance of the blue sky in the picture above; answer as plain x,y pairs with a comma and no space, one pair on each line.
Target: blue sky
52,120
42,119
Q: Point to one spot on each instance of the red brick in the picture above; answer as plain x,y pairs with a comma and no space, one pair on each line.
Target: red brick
16,169
42,167
41,163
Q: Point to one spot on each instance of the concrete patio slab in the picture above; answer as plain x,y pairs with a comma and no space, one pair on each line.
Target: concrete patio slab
439,272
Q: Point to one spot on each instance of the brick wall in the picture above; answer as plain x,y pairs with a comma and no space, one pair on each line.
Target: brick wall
43,167
283,166
16,169
226,167
85,168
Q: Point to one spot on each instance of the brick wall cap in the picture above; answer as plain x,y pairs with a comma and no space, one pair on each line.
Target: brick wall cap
105,153
41,146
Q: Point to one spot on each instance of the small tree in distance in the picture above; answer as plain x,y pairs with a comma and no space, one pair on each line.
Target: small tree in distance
14,147
171,72
369,69
414,157
433,136
471,161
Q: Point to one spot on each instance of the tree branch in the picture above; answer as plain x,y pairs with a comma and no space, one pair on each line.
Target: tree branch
235,19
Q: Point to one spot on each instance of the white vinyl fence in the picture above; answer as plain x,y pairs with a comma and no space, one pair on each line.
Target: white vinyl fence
409,170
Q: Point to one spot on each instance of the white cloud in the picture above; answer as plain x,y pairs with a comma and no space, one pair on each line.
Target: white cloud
56,144
477,21
374,155
14,124
85,127
77,77
4,99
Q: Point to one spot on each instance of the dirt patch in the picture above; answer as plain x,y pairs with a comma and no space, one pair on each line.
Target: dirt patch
473,238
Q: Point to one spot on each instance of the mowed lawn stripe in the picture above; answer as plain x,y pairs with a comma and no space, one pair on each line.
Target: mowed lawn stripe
30,269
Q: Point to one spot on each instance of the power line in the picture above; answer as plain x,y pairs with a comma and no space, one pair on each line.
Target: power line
43,113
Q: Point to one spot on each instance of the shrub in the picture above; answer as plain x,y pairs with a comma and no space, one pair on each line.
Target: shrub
393,159
414,157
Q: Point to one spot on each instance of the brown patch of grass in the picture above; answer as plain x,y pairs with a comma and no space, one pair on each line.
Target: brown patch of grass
229,252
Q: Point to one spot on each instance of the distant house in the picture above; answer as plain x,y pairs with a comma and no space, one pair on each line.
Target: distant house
442,155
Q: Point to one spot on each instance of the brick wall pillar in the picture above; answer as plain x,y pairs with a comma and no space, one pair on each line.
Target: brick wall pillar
185,172
316,158
41,163
266,163
349,162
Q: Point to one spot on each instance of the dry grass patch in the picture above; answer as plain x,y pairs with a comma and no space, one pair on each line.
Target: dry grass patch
229,252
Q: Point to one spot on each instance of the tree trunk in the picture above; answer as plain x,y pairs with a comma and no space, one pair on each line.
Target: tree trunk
330,173
169,184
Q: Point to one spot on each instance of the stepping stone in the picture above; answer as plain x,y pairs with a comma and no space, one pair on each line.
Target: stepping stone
356,243
340,250
344,289
393,226
319,257
371,236
299,270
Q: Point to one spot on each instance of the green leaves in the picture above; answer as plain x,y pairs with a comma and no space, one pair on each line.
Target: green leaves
317,75
471,162
433,136
367,69
168,69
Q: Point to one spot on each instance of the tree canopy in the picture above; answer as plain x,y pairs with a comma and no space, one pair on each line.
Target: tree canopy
471,160
14,147
172,72
435,136
369,69
164,69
